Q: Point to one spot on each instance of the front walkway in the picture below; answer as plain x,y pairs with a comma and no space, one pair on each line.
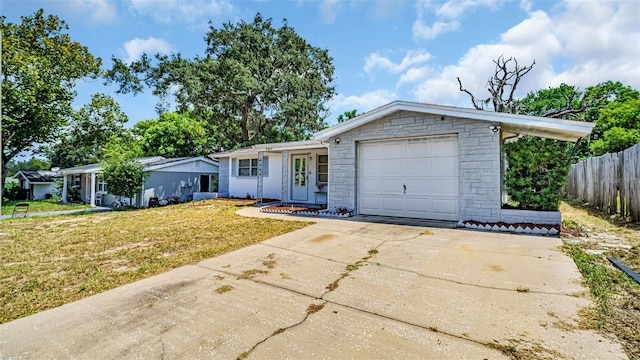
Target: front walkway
337,289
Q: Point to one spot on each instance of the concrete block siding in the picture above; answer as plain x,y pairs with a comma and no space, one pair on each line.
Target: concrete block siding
479,159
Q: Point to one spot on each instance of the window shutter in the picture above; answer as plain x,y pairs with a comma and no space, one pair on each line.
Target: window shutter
234,171
265,166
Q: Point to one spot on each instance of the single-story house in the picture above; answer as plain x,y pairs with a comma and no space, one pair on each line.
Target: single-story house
403,159
187,177
37,184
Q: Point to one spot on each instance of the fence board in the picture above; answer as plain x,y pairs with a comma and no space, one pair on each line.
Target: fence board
610,182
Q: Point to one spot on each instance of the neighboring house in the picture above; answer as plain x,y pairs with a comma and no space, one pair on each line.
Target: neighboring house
38,184
403,159
188,178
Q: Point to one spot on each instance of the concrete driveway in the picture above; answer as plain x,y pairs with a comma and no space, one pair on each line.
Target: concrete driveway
336,290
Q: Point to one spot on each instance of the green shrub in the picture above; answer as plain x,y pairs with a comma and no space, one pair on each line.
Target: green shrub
536,171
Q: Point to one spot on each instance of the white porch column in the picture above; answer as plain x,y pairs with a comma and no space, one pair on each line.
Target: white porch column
260,177
93,189
64,188
285,176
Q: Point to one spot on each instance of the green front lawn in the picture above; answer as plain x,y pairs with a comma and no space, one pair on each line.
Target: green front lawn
40,206
50,261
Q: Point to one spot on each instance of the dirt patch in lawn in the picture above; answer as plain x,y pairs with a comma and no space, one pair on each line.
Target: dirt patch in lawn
590,238
50,261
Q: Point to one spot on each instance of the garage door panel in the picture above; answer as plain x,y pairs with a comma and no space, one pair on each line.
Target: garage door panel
391,186
390,167
427,167
418,167
393,203
371,185
419,205
418,187
448,186
392,150
444,147
445,167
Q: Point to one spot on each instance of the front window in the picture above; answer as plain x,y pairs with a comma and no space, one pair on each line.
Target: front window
248,167
323,169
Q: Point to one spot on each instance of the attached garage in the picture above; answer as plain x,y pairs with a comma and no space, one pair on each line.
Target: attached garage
411,177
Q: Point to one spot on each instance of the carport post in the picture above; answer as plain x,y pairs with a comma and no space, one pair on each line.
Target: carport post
64,188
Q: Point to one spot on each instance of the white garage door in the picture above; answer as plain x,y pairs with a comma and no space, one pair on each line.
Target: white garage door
415,178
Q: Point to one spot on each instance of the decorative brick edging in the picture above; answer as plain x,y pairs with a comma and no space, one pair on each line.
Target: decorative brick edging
521,228
265,209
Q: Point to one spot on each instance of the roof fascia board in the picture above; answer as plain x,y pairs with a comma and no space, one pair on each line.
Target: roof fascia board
152,167
489,116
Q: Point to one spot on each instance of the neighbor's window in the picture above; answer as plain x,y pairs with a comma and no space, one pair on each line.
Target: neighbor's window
102,185
323,168
248,167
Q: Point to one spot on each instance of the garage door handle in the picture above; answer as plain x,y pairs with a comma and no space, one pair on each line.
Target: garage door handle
405,188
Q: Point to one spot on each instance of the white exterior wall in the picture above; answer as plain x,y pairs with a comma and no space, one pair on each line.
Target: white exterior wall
311,171
40,191
240,186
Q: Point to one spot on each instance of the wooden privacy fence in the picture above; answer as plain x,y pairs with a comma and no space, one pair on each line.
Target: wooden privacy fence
610,182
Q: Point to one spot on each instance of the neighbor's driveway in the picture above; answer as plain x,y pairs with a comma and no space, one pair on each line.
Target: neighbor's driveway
453,294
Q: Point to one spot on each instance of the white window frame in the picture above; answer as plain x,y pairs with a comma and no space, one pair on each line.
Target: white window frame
322,173
251,167
102,186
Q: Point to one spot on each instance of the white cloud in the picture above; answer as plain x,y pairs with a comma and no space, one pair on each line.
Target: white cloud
580,43
363,102
414,75
447,15
168,11
92,11
422,31
377,61
151,45
329,10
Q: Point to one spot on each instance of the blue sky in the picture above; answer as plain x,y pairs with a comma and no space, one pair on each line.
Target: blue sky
382,50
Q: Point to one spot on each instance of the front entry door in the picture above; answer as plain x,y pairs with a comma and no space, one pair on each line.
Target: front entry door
299,186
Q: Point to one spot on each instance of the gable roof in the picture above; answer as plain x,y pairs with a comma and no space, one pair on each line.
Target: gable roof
559,129
149,163
36,177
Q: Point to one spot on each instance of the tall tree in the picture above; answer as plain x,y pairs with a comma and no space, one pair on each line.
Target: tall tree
256,83
83,141
40,65
347,115
173,135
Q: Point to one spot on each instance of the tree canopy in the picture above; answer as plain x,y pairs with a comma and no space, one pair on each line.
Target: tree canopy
83,141
172,135
40,65
255,83
123,174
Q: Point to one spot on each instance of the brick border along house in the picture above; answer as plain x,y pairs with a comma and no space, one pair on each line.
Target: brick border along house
402,159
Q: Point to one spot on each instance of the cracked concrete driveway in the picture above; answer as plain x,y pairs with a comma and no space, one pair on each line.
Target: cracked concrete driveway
336,290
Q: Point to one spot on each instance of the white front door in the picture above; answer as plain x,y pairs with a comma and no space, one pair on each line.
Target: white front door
300,178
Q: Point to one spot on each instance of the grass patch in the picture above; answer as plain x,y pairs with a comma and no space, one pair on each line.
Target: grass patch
48,262
522,289
617,296
372,251
223,289
427,232
41,206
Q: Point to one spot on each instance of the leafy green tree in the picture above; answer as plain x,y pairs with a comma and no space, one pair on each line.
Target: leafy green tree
173,135
255,84
40,66
33,163
347,115
122,173
619,124
536,173
84,139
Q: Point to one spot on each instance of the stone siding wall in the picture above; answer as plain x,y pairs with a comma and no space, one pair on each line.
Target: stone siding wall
479,159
